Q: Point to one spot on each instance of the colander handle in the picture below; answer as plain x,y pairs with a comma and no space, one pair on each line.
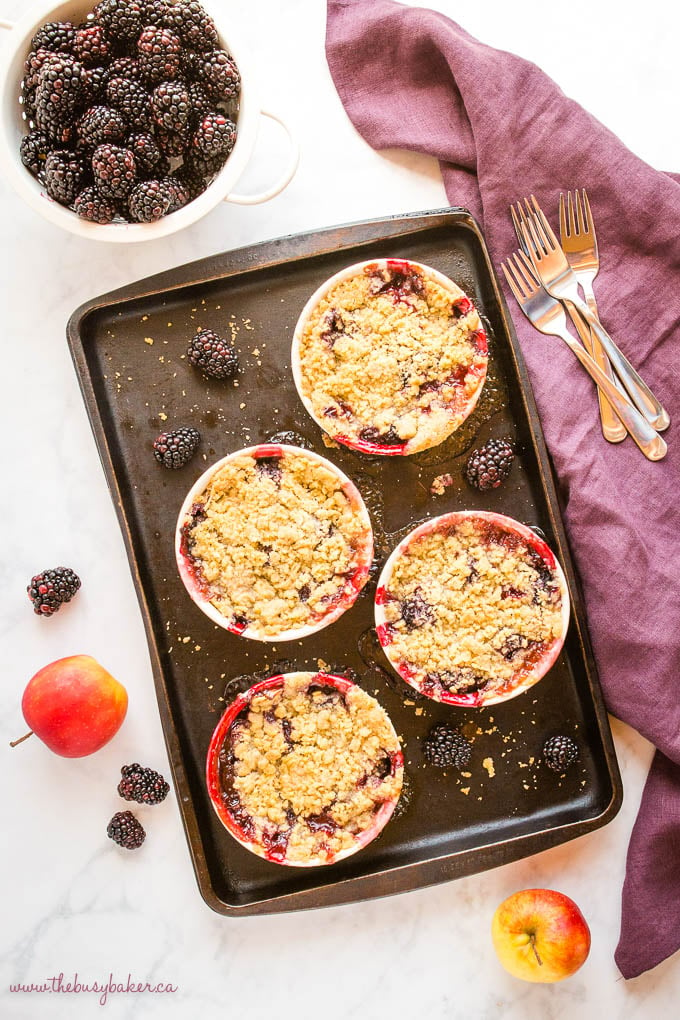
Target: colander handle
286,176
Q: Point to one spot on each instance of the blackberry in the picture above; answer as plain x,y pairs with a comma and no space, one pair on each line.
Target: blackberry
131,99
213,355
57,131
56,36
159,53
173,143
190,180
122,19
49,589
180,193
92,206
65,175
114,170
489,467
201,167
218,74
148,156
175,449
444,746
156,12
215,135
96,79
90,45
193,25
32,67
125,67
142,785
61,88
101,124
170,105
149,201
34,150
559,753
125,830
199,102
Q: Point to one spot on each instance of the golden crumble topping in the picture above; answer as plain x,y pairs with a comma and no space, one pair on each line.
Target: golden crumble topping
306,768
470,607
277,542
390,357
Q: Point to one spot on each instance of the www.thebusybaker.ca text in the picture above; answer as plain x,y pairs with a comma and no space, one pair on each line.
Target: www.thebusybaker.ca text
103,989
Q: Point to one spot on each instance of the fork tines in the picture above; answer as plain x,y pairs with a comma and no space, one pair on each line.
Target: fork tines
576,219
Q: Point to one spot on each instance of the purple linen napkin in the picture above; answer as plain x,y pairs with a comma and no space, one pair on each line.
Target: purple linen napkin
413,79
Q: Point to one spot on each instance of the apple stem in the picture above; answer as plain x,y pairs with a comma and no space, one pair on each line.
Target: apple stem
532,939
13,743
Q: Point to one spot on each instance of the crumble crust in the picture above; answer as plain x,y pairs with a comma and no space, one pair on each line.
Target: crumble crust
471,607
391,356
276,541
310,767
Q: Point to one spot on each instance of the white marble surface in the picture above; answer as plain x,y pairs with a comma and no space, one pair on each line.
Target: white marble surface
72,902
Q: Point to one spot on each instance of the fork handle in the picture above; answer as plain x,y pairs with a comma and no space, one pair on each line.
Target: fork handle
640,393
613,429
642,432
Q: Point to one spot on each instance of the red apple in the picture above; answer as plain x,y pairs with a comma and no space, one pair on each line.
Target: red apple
74,705
540,935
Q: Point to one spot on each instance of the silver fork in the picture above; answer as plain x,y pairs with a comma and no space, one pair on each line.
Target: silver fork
547,315
579,244
558,278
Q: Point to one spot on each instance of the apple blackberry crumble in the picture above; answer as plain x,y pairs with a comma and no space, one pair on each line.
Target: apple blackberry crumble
309,769
391,358
472,608
277,541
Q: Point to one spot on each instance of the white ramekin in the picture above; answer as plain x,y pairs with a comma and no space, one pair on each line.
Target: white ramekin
201,597
407,447
362,838
13,127
540,668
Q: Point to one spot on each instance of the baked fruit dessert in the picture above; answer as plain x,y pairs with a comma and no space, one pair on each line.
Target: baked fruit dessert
304,769
389,357
274,542
472,608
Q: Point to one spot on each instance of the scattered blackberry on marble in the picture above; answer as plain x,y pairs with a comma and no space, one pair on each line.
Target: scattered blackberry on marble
126,831
122,19
444,746
215,136
159,54
143,785
90,45
50,589
217,73
114,170
175,449
560,752
489,466
131,99
101,124
149,201
171,105
34,150
55,36
212,354
65,175
92,206
193,25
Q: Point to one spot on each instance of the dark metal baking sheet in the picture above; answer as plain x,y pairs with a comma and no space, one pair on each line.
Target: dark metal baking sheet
128,349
